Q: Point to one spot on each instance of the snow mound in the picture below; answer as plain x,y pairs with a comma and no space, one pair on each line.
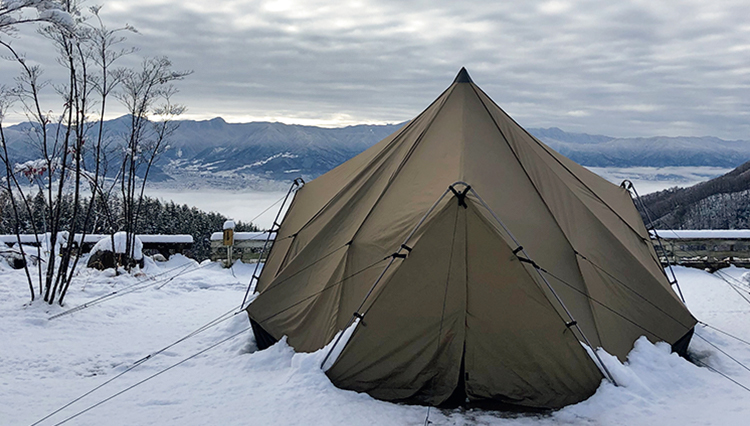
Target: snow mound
105,244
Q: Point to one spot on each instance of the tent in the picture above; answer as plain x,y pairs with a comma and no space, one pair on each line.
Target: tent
468,261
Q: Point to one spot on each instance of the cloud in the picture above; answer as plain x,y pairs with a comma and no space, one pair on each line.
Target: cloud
629,68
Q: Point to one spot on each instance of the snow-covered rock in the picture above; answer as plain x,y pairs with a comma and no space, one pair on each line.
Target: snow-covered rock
105,244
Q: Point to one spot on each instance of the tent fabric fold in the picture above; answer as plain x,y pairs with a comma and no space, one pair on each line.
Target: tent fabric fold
460,312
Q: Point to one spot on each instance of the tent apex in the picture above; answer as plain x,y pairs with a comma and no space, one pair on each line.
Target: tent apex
463,77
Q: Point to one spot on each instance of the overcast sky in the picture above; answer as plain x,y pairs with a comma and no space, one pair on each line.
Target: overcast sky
620,68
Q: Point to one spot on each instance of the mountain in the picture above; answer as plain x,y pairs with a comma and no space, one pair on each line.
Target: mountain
260,155
660,151
720,203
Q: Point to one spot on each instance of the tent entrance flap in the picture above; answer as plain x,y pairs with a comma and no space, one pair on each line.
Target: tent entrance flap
411,347
463,316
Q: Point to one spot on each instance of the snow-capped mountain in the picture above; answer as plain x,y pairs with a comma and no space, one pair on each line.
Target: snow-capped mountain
214,153
659,151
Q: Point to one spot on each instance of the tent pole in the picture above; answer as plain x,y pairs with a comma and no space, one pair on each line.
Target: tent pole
527,259
297,183
628,186
394,256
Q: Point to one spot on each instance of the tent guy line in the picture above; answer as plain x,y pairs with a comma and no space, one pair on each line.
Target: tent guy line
703,364
272,231
629,288
721,274
214,322
186,269
158,373
723,352
724,333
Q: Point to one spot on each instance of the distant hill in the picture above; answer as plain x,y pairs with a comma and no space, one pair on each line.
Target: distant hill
659,151
260,155
720,203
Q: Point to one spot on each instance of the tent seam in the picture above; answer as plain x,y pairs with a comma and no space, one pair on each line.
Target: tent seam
544,202
403,162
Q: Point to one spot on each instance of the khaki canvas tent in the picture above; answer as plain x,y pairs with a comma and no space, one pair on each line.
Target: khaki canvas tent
472,262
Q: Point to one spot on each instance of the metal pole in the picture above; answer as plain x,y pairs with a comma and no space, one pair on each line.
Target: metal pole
572,322
276,225
397,254
630,186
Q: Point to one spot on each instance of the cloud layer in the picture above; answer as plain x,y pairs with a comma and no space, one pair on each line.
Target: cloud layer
628,68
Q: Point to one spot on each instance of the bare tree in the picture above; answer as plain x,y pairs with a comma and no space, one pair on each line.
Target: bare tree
66,140
142,91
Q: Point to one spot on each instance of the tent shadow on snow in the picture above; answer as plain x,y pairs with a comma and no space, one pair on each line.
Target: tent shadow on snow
477,260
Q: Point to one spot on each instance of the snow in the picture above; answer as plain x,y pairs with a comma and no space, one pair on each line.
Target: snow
170,239
93,238
228,225
244,236
704,233
121,238
25,239
47,363
57,16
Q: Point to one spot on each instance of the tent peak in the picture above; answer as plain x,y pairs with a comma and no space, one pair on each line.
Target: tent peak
463,77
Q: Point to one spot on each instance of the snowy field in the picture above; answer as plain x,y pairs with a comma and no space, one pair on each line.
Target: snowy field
46,363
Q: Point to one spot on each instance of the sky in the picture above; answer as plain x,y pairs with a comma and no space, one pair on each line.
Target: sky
624,68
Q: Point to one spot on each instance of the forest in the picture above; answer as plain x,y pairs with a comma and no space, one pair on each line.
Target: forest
158,217
720,203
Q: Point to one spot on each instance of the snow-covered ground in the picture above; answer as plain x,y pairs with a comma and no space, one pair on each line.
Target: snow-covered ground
45,363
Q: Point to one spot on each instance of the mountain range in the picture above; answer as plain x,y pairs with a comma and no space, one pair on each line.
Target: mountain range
264,155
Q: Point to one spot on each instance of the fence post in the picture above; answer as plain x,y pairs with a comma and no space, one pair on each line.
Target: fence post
229,240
